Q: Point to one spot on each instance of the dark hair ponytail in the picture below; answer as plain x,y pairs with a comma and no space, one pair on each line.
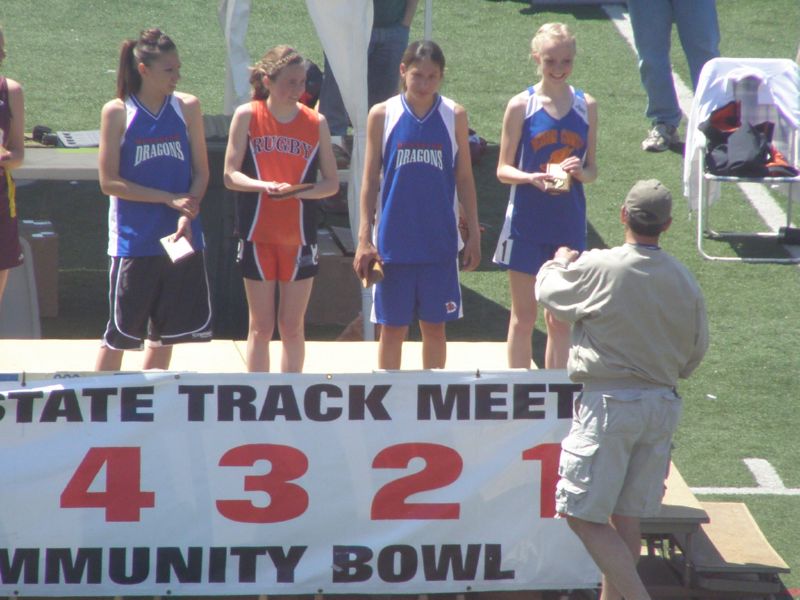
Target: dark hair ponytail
128,78
152,43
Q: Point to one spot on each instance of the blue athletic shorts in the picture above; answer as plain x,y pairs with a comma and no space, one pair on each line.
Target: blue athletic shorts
429,292
525,256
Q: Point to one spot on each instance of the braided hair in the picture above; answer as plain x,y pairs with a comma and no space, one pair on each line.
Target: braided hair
270,66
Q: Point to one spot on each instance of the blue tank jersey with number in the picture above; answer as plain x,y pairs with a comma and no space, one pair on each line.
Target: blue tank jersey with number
155,153
536,215
417,211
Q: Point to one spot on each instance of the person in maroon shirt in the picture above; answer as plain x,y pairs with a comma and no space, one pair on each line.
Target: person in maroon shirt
12,152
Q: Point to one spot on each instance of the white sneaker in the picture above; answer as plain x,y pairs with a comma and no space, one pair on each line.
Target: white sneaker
660,138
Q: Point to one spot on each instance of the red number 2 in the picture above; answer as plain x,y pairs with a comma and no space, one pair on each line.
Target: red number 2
547,455
443,465
123,497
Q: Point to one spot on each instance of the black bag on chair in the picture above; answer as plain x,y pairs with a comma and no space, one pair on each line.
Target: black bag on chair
736,149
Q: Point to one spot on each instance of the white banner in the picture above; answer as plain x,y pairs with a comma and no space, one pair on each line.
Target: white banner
195,484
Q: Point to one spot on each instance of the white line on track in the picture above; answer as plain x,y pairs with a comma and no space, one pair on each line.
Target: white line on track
768,482
736,491
765,473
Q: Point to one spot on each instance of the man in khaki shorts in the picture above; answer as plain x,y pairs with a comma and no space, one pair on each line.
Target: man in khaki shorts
638,324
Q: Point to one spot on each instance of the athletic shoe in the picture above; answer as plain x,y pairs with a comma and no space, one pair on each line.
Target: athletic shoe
660,138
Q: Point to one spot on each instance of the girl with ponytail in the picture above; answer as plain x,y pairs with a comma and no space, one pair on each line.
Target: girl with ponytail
154,167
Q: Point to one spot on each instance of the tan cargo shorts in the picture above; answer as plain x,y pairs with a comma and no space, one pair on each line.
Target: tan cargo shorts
616,456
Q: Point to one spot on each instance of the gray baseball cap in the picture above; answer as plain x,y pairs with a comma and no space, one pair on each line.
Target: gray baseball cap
649,202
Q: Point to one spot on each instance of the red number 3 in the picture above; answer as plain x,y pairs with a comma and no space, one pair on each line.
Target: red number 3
286,500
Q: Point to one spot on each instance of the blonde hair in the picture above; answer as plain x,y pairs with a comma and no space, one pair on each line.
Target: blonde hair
555,32
270,66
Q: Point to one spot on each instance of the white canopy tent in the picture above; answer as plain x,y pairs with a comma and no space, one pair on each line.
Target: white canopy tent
233,18
344,28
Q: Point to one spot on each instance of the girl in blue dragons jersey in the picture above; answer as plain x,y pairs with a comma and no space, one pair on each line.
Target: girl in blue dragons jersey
154,167
417,157
549,123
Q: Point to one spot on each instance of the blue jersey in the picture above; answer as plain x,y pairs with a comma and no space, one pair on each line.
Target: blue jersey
155,153
417,211
532,214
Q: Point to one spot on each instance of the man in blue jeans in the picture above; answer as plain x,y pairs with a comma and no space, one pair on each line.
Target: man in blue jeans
389,38
652,28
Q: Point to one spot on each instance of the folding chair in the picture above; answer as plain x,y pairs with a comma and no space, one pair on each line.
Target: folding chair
766,90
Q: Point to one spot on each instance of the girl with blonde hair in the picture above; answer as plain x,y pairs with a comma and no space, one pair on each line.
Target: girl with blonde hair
547,154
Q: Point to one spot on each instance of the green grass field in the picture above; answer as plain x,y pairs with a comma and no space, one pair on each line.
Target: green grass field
65,52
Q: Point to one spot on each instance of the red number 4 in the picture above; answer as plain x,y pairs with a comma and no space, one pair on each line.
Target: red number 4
123,497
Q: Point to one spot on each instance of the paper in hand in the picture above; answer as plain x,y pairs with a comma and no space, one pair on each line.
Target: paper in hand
177,249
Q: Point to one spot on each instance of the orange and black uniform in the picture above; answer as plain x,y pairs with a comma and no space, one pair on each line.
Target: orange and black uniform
280,236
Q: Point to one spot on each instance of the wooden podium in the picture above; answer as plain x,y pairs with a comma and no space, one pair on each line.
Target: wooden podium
693,549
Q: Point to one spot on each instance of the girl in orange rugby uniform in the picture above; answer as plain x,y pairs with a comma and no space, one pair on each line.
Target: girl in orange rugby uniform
275,145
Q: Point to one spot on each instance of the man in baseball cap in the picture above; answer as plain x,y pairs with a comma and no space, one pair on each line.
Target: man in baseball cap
638,325
649,205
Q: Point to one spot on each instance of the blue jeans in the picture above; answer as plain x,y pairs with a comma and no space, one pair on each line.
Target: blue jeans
386,47
652,26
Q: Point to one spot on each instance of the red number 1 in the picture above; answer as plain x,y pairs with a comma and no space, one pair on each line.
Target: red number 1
547,455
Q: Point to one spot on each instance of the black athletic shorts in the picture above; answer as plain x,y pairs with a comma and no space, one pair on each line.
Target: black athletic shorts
152,298
10,249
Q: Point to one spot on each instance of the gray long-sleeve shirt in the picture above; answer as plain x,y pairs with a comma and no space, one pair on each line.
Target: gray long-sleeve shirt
637,314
